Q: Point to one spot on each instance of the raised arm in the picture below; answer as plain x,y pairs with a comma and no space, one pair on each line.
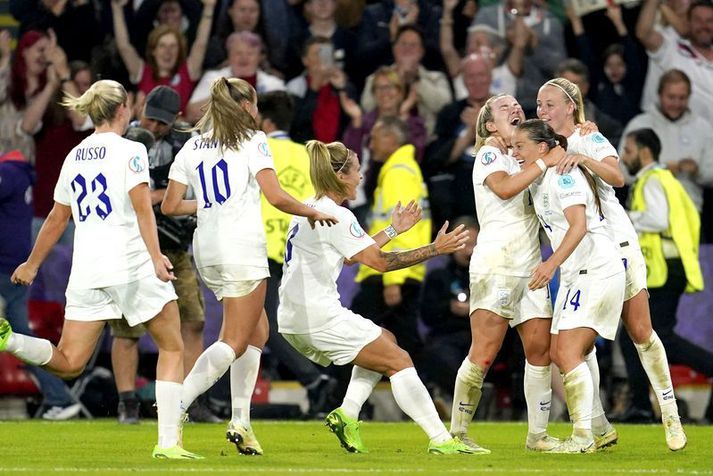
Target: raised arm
140,197
129,56
200,45
450,56
384,261
50,233
645,31
577,219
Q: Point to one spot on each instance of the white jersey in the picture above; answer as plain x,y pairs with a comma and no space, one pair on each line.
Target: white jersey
95,181
596,254
309,300
230,228
508,241
597,147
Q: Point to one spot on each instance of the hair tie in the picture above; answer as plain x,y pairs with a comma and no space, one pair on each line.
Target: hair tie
551,83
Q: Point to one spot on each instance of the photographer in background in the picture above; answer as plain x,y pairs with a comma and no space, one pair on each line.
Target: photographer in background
158,119
319,94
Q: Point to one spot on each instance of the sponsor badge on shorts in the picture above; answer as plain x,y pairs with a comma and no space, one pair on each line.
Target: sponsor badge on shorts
136,164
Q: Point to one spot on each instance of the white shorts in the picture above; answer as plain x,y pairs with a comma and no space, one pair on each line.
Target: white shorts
233,280
590,301
339,344
138,301
635,269
509,297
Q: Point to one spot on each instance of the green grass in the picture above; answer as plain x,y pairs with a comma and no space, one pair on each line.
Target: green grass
104,447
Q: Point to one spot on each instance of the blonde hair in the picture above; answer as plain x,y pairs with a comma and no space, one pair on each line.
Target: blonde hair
230,122
326,161
572,93
484,116
100,102
391,74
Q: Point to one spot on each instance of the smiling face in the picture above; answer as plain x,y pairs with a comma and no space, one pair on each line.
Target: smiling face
506,115
673,99
243,58
166,52
387,94
555,108
525,149
352,177
701,26
34,57
615,68
408,49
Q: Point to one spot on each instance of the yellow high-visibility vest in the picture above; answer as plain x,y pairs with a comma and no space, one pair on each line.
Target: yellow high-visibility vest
684,227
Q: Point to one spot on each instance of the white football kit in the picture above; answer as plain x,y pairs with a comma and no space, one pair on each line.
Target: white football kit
592,278
112,272
508,248
229,243
310,315
597,147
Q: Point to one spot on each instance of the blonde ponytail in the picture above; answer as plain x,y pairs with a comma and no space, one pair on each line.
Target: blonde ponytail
225,114
326,161
100,102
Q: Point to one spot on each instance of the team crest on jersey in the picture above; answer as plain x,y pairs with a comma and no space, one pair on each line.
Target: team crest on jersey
598,138
356,230
488,158
566,181
264,149
136,164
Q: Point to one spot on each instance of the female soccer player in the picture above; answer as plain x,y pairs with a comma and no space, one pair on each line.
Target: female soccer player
228,165
311,318
507,252
117,266
592,277
559,103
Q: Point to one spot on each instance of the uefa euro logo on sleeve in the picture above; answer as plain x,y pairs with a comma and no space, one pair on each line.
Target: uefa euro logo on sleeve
598,138
488,158
566,181
136,164
264,149
356,230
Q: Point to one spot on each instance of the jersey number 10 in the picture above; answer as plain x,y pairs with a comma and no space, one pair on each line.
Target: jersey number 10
219,186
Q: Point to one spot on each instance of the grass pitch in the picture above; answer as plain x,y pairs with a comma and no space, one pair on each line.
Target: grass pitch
104,447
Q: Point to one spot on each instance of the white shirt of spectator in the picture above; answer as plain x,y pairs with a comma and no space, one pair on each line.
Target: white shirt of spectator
597,147
264,83
95,181
677,53
504,82
230,228
309,299
508,241
596,253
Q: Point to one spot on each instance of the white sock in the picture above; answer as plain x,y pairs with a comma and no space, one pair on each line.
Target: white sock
466,395
653,358
413,398
538,395
360,387
599,419
210,366
578,390
168,407
243,375
31,350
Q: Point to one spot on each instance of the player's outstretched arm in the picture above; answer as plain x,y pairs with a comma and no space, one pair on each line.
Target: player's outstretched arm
402,220
140,197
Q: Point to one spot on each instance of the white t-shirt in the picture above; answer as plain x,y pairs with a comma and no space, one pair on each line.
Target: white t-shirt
596,253
508,241
597,147
230,228
265,83
95,181
309,300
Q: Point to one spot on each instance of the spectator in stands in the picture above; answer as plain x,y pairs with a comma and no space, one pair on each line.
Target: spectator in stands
16,179
615,78
546,47
685,137
668,226
577,72
485,41
391,299
182,15
159,118
692,54
319,94
445,309
167,61
66,18
449,164
432,88
244,53
276,110
389,93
